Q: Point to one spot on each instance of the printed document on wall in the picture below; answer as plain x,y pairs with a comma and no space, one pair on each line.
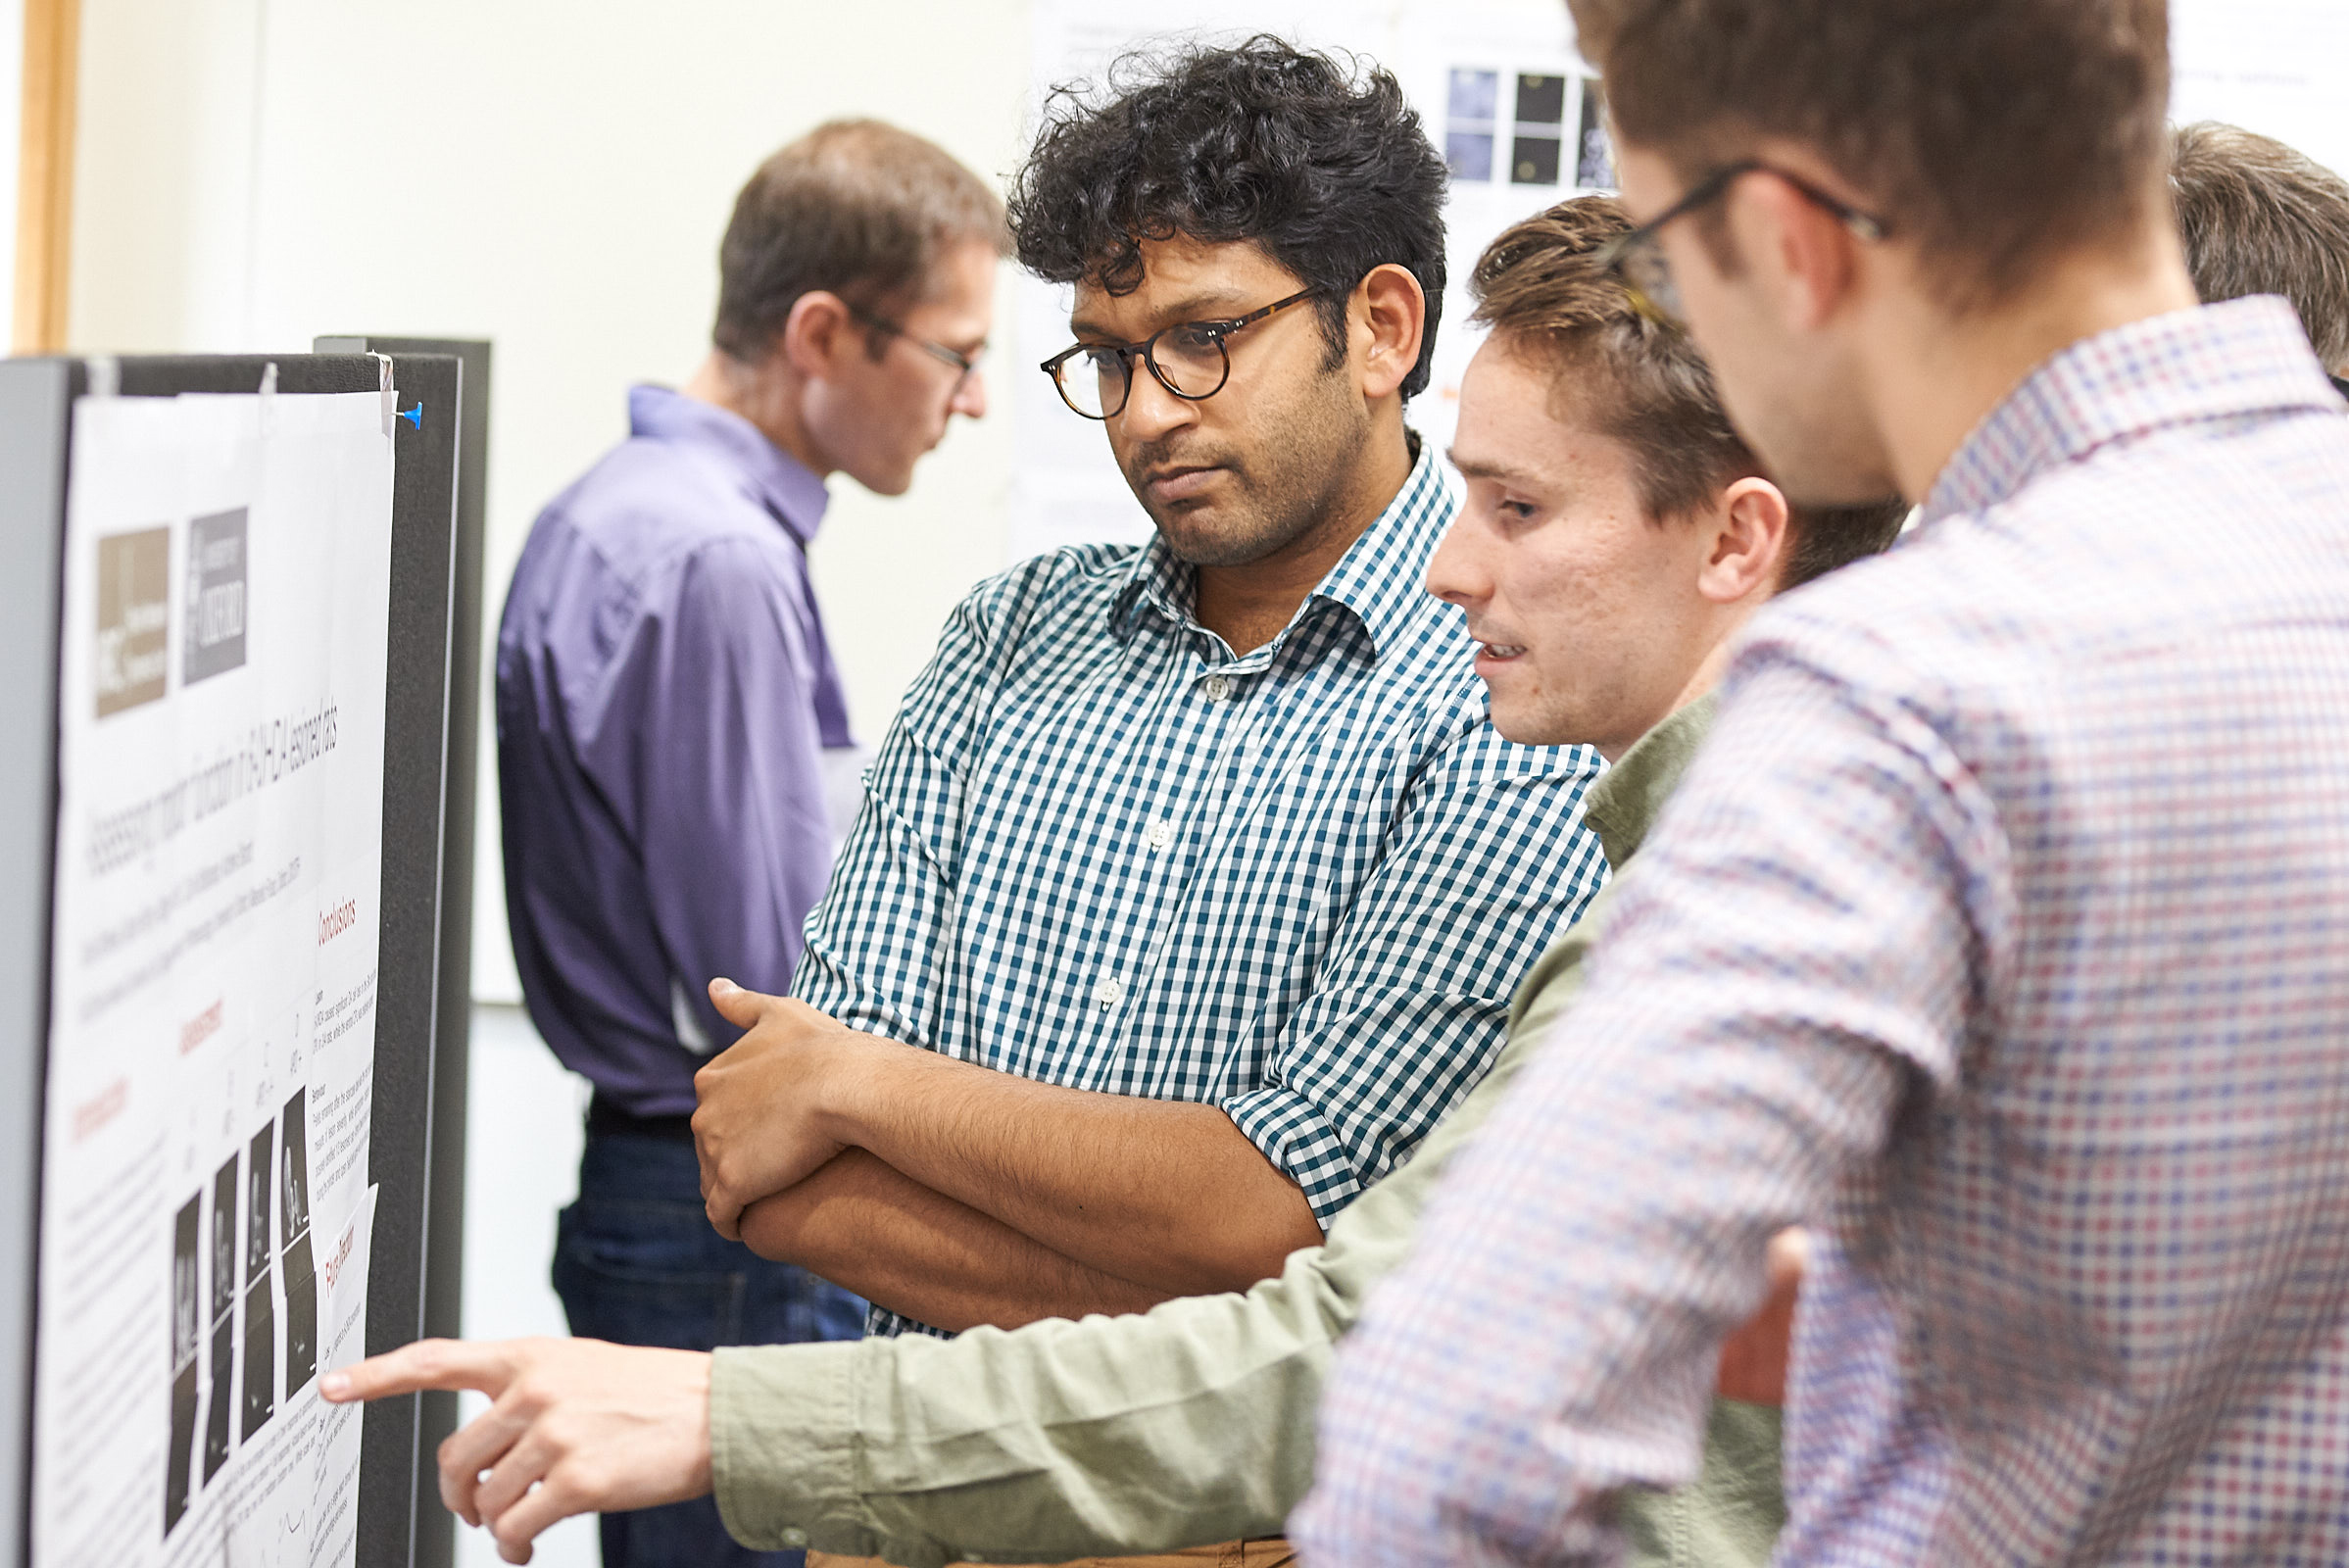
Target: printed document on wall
206,1207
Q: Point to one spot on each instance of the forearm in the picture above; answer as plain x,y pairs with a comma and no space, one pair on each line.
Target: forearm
1168,1194
1110,1437
866,1226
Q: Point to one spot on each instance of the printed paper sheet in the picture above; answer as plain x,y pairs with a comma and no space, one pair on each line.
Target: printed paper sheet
206,1207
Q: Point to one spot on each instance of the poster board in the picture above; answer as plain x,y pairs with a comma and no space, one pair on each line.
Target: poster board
439,1239
413,583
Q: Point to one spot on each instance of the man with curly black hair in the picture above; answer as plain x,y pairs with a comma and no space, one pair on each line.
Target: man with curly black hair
1199,869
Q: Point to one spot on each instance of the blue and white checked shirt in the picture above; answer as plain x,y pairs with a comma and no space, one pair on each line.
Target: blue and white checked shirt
1099,850
2002,932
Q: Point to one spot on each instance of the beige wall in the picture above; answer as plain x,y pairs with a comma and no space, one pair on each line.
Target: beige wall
253,173
11,112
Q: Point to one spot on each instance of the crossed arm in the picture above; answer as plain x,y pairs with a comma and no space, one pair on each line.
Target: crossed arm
958,1195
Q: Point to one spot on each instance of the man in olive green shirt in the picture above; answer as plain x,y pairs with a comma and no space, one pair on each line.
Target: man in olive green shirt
1614,536
1192,1422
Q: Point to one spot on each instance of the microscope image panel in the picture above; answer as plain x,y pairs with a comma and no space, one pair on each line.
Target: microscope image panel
223,1241
300,1272
179,1483
223,1390
261,1317
1541,99
1594,166
293,1156
186,1336
258,1190
186,1260
261,1357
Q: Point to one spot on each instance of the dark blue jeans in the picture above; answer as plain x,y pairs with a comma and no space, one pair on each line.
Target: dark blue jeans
637,1263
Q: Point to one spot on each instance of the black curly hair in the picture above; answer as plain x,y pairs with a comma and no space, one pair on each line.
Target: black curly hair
1319,161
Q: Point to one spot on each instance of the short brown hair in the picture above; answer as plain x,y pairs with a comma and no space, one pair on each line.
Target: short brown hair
1645,386
2259,218
857,207
1995,134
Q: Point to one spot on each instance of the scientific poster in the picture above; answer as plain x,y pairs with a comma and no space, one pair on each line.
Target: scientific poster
206,1207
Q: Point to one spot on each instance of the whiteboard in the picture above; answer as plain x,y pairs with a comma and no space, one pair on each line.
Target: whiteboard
2277,67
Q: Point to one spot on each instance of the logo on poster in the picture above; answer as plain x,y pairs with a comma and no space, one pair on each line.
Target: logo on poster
135,615
216,595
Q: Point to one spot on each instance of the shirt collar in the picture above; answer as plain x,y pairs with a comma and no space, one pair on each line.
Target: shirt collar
787,488
1380,579
2247,355
1623,802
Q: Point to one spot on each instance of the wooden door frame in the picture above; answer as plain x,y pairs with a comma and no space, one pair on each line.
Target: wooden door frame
45,175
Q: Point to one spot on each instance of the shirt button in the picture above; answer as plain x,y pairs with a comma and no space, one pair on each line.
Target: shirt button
1107,992
1159,836
1218,688
795,1536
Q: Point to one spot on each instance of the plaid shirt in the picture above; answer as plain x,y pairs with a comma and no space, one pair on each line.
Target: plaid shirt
1097,850
2002,933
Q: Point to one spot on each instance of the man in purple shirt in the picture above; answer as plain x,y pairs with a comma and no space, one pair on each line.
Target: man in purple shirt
669,714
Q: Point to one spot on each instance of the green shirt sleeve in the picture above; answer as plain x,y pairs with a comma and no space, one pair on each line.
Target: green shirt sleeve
1190,1424
1187,1425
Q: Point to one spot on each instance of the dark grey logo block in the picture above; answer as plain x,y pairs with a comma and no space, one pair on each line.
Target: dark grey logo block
216,595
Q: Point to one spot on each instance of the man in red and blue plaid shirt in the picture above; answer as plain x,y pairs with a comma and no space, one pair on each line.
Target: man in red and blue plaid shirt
2001,932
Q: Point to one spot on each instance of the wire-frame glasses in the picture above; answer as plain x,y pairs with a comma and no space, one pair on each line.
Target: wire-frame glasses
1638,262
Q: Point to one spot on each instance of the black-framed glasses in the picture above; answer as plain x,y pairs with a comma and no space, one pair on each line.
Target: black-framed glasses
1637,259
965,365
1189,358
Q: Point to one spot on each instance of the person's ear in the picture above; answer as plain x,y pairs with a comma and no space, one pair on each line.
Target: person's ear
1750,544
1806,258
814,334
1387,319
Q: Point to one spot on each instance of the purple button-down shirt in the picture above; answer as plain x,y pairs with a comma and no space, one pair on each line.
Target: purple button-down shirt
664,698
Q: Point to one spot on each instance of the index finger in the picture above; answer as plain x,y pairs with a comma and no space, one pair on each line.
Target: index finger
447,1364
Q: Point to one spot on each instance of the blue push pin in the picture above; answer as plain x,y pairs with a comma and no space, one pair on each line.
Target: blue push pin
415,417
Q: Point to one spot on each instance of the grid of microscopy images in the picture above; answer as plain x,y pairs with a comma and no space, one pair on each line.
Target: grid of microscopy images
1554,133
267,1186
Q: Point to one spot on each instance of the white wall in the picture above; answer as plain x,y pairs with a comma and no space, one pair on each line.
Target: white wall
252,173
